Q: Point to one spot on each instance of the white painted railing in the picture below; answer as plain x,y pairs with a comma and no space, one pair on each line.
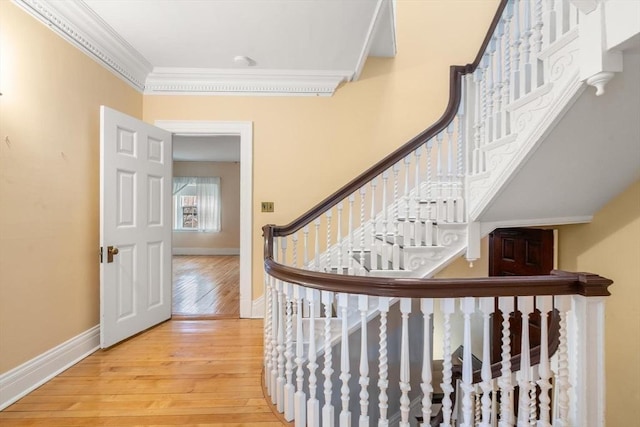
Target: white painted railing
542,385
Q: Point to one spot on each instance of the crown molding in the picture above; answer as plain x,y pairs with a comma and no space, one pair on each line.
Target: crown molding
78,24
190,81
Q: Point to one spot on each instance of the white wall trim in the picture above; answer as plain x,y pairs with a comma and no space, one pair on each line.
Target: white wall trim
489,226
79,25
205,251
186,81
257,309
25,378
245,131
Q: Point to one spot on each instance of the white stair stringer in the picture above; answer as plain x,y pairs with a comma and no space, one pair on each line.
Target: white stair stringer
532,118
425,261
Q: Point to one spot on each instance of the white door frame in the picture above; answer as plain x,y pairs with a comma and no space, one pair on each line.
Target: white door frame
245,131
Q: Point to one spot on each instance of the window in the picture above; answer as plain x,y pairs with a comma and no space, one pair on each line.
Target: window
196,203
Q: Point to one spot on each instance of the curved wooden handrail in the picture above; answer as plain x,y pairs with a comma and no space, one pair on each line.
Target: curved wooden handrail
557,283
455,91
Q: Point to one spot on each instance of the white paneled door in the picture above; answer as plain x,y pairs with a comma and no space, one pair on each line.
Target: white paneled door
135,226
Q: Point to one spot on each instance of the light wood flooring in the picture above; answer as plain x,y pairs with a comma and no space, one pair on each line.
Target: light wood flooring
206,286
180,373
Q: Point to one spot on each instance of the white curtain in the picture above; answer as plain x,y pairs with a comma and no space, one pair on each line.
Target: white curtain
208,201
208,194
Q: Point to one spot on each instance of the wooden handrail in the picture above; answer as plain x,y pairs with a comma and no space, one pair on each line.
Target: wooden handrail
455,92
557,283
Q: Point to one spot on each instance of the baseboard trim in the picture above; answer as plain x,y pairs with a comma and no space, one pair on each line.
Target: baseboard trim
257,307
25,378
205,251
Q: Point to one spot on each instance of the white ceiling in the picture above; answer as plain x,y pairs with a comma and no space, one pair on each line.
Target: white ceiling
188,46
211,148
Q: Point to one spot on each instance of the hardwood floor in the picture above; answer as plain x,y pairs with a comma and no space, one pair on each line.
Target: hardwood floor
206,286
205,373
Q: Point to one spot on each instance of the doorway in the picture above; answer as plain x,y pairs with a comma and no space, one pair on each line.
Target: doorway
206,226
518,252
243,131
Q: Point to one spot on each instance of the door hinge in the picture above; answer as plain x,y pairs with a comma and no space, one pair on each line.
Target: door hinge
101,251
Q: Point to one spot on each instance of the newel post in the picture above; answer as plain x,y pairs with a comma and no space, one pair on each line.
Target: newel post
587,349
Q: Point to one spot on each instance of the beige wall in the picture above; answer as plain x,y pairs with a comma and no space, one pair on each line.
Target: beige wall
49,165
229,235
610,246
461,268
305,148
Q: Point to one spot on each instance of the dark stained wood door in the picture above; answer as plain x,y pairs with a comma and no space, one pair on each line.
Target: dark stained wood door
518,252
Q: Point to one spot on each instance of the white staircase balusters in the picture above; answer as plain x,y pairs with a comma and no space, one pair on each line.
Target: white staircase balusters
429,196
305,240
339,242
345,370
448,308
395,252
300,397
418,230
385,222
536,44
478,122
525,82
484,112
280,347
505,304
497,93
327,409
440,204
313,405
289,388
328,253
467,306
545,305
505,117
363,307
525,307
372,219
426,307
383,363
490,89
517,40
486,307
316,246
405,374
406,229
460,148
350,269
450,208
549,27
275,314
363,193
563,16
268,332
561,418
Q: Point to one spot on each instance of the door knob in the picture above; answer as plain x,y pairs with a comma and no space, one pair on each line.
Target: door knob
111,251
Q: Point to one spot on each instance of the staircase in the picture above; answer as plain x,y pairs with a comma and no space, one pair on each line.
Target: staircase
364,255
